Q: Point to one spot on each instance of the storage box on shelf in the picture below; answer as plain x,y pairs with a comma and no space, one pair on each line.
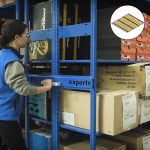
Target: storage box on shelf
144,111
113,110
138,139
127,77
138,48
102,143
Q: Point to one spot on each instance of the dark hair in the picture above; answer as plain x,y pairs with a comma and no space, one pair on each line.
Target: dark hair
9,29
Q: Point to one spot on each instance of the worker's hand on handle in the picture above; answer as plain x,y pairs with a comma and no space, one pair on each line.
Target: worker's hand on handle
47,83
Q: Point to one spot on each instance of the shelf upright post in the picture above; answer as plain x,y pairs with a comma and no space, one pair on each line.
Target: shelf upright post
26,20
93,70
17,9
54,72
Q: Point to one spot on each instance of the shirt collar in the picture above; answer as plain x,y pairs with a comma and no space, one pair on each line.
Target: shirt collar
14,51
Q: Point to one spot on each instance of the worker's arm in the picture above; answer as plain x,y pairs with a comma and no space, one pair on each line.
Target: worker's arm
16,79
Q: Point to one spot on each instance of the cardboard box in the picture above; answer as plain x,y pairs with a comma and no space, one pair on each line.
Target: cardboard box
128,53
145,111
143,54
142,38
101,144
142,45
130,77
131,43
138,139
132,140
116,111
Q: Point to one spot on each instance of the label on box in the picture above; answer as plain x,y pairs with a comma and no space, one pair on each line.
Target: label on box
147,70
146,142
68,118
129,110
145,111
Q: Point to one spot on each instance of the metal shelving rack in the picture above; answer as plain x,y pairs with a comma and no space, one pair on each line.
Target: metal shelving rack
55,33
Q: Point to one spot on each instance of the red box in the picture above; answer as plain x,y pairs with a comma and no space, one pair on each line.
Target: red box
142,45
143,54
130,43
128,53
142,38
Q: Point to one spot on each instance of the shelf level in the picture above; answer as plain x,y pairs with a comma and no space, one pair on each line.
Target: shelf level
66,81
64,126
39,61
41,120
68,31
41,34
87,61
116,61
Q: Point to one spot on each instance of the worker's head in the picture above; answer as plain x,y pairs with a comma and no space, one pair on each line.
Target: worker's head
14,32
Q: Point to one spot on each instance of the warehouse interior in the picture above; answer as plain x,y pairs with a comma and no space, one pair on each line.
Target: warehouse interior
100,99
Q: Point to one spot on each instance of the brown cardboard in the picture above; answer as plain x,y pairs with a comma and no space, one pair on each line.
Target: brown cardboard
134,138
109,110
129,77
102,144
144,111
78,103
111,115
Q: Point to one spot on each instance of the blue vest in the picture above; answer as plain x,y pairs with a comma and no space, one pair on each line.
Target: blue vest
10,103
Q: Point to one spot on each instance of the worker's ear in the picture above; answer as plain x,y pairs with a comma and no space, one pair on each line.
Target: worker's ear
17,36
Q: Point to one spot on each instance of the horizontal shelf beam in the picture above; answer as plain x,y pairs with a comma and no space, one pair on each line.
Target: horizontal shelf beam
64,126
41,120
74,61
39,61
75,30
80,130
66,81
72,128
41,35
86,61
116,61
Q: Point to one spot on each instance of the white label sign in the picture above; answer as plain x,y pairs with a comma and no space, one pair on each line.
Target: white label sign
145,111
129,110
147,69
146,142
68,118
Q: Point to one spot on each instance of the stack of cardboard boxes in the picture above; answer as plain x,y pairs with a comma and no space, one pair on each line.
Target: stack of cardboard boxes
116,111
137,139
139,47
133,77
102,143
